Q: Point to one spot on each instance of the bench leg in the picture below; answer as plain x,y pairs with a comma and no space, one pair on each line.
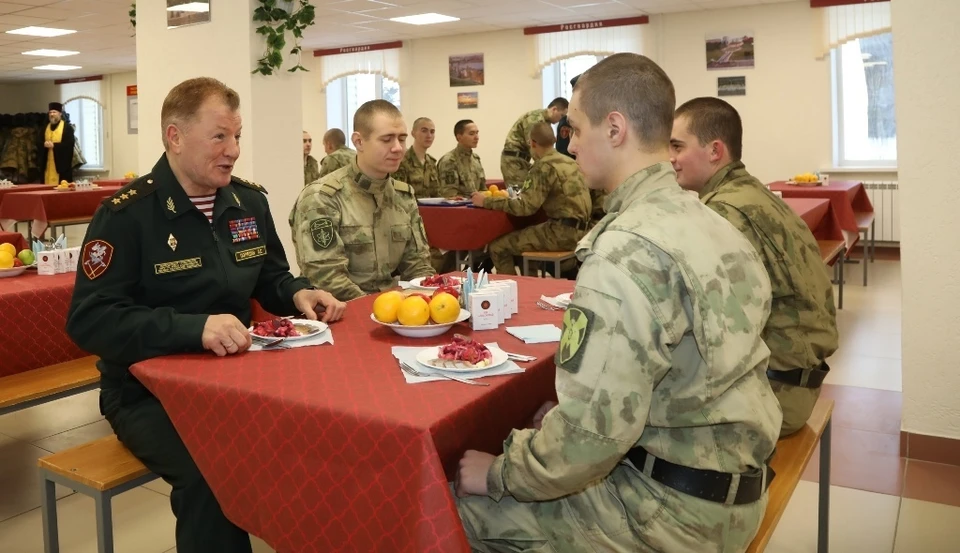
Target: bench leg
526,267
556,269
823,525
866,254
843,254
873,239
104,523
48,510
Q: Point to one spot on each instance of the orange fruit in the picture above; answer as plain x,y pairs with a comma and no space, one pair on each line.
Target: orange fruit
9,248
493,188
413,311
6,260
386,305
444,308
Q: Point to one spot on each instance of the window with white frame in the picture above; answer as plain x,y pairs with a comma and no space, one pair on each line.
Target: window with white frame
865,127
86,116
556,76
346,94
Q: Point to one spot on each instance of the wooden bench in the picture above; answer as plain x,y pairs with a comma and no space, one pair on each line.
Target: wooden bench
832,251
866,223
26,389
53,224
100,469
790,460
546,257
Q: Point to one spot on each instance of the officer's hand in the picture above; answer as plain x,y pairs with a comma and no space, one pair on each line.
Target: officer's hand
310,302
472,476
225,335
541,412
48,144
477,199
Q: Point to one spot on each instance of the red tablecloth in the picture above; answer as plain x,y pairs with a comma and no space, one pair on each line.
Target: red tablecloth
49,205
23,188
14,238
846,197
819,216
113,183
33,317
497,182
469,228
328,449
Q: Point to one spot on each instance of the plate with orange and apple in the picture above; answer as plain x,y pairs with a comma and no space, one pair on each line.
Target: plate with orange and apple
416,315
13,263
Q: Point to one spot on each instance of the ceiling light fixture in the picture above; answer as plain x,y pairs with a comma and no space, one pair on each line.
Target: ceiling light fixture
55,67
198,7
50,53
45,32
425,19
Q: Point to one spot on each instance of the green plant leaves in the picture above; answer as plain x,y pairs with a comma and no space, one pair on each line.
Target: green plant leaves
276,24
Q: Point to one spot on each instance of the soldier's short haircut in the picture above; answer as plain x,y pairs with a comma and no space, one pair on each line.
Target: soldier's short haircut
419,120
184,100
712,119
559,103
636,87
335,138
461,127
542,134
363,118
573,81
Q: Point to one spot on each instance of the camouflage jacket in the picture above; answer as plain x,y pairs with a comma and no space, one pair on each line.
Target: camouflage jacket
661,349
423,177
597,197
518,138
352,233
802,330
335,160
311,170
554,183
461,173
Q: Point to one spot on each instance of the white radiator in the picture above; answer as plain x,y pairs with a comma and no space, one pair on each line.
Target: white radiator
883,196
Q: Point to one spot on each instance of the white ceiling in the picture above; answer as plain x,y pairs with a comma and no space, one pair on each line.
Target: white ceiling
106,44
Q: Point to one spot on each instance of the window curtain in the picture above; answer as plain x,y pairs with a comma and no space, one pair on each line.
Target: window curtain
379,62
841,24
551,47
89,89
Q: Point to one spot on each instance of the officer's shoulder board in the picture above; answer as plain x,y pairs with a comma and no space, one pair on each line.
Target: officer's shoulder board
249,184
401,186
133,191
330,187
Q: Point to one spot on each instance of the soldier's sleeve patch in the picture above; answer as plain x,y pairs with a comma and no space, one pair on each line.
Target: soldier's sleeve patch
95,258
577,323
321,230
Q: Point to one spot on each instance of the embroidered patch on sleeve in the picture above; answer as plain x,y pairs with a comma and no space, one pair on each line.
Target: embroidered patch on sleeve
577,322
322,232
96,258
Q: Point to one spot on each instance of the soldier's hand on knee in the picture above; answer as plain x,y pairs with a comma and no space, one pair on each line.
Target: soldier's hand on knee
225,335
472,475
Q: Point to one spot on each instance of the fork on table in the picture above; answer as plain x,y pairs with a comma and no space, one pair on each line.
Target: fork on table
414,372
269,343
549,307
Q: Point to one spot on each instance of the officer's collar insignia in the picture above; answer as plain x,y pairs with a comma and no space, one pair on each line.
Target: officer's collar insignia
171,206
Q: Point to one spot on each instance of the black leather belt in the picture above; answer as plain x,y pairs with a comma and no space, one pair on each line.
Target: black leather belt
572,223
705,484
804,378
520,155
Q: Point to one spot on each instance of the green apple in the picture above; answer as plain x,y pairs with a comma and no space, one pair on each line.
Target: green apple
27,257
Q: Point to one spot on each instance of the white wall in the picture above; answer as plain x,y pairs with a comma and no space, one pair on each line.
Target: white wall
314,101
925,36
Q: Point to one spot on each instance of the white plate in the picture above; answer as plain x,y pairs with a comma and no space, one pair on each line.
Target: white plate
12,272
427,357
316,327
424,331
443,201
416,283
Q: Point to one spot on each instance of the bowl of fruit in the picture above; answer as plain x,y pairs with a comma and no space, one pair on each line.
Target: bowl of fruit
13,263
805,179
417,315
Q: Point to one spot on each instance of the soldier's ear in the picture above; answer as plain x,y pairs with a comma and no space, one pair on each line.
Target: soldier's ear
357,141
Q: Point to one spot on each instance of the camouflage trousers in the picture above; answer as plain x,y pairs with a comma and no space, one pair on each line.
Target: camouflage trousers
545,237
797,404
443,262
514,170
627,512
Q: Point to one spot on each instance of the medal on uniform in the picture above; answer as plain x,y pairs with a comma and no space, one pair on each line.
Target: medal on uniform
243,230
172,242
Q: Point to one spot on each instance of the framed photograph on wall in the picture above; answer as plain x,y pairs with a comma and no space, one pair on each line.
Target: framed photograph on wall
730,51
187,12
466,70
731,86
467,100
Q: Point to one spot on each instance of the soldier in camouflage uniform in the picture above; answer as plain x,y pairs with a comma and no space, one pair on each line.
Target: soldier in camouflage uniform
338,154
660,367
597,211
461,173
554,183
356,227
802,330
418,168
515,158
311,170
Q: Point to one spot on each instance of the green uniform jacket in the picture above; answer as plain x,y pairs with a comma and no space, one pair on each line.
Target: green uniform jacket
311,170
423,177
554,183
152,269
336,159
518,137
461,173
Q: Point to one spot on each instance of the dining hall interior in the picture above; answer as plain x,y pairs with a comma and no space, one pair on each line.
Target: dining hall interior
855,93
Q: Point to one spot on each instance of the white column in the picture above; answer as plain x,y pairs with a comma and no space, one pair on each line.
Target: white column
226,48
924,42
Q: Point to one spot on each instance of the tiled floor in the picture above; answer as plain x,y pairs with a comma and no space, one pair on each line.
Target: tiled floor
880,503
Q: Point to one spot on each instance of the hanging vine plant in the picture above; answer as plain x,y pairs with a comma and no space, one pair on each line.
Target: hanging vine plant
277,20
133,17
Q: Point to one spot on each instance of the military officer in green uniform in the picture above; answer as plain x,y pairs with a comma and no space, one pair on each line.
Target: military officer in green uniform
802,330
338,154
555,184
515,158
461,173
665,417
158,276
357,229
311,170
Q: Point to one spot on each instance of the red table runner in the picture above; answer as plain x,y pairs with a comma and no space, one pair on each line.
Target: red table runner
14,238
33,317
50,205
469,228
819,216
328,449
846,197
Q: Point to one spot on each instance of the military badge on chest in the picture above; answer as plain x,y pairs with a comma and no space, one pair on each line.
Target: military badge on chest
243,230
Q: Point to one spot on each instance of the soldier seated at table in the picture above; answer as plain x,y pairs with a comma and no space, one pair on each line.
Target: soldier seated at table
802,330
461,173
665,418
169,265
357,227
338,154
555,184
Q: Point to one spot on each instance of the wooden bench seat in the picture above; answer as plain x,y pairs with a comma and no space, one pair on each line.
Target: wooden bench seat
790,460
555,257
100,469
832,252
26,389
